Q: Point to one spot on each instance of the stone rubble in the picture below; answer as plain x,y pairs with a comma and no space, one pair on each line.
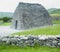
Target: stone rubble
31,40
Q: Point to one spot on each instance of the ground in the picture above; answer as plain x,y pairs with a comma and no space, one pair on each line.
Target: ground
48,30
6,30
5,24
52,30
28,49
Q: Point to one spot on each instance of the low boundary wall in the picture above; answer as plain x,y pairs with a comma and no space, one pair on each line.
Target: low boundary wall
31,40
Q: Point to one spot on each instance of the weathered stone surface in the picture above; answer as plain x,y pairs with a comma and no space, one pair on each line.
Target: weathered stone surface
29,16
31,40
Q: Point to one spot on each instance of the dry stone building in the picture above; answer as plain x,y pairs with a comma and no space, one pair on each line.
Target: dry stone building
27,16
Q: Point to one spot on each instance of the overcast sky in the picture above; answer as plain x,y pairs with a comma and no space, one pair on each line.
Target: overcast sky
10,5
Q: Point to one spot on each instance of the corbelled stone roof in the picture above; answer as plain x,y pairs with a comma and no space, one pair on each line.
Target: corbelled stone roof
31,15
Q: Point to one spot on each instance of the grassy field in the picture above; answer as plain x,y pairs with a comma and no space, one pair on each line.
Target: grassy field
28,49
56,22
54,15
50,30
5,24
53,30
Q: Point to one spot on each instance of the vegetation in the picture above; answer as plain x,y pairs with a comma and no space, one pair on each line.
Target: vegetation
54,12
57,11
51,9
55,15
51,30
5,24
56,22
6,48
6,19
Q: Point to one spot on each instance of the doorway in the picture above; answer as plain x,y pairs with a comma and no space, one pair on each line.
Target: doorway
16,22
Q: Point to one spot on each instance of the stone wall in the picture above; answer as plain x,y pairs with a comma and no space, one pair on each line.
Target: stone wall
56,18
31,40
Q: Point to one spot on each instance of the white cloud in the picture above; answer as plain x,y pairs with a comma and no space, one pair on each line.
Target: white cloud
10,5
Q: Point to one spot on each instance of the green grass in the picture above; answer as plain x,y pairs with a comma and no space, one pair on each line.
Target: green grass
5,24
51,30
56,22
54,15
28,49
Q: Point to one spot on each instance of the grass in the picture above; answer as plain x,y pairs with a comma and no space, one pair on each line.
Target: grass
4,48
56,22
51,30
5,24
54,15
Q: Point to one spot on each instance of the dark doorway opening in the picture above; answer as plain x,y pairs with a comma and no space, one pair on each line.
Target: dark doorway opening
16,24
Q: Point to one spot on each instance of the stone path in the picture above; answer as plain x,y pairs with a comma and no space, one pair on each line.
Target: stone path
6,30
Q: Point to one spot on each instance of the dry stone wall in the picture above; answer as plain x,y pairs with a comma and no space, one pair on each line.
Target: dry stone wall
31,40
56,18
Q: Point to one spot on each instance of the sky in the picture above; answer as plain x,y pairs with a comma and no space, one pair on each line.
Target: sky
10,5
